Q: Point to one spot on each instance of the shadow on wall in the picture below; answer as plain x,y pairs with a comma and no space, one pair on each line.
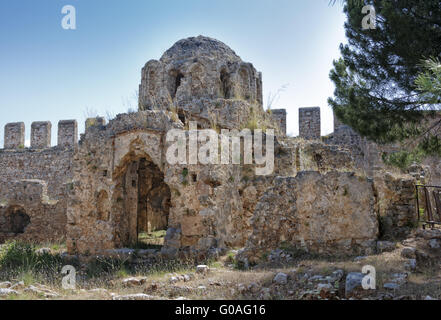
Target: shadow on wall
15,220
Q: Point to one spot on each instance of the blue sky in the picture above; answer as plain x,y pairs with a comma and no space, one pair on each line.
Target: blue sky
48,73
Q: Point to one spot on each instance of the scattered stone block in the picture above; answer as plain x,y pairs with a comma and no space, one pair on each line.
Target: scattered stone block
410,265
408,252
353,283
202,269
434,244
134,282
281,278
386,246
18,286
7,292
391,286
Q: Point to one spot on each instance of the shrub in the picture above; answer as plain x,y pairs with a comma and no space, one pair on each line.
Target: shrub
20,259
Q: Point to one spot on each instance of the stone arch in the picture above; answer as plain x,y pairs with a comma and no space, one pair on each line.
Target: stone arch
150,84
175,79
141,197
245,84
225,84
16,220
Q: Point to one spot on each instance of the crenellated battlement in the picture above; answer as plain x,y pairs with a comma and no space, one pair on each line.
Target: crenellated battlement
309,123
279,115
41,135
14,135
41,132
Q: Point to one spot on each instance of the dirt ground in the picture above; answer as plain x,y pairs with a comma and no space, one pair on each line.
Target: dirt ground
304,277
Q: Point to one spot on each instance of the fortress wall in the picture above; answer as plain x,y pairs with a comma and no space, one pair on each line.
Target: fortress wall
46,209
14,135
309,123
28,213
314,212
40,161
51,165
34,181
41,135
279,115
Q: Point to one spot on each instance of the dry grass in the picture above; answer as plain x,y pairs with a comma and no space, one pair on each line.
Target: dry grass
224,281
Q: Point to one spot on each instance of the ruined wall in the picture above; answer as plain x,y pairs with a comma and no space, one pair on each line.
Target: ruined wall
396,204
29,214
52,167
367,155
107,163
309,123
323,213
279,116
206,203
317,156
117,183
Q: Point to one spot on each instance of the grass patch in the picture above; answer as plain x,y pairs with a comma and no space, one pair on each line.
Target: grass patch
19,260
150,240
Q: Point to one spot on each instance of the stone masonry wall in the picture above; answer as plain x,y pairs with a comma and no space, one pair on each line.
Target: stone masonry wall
41,135
309,123
396,204
321,213
29,214
202,79
205,206
51,165
280,116
14,135
51,170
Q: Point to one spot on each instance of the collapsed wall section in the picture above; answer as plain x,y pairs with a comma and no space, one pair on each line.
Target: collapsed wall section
28,213
330,213
51,165
30,176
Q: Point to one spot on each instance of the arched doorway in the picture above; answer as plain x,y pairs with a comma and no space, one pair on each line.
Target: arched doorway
142,204
153,204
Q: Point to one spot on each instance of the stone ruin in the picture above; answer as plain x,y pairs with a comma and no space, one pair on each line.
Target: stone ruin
101,192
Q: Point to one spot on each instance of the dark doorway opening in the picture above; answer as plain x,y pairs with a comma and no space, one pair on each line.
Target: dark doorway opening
153,205
225,85
16,220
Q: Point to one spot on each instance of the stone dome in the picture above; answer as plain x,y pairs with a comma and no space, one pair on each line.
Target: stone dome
202,78
197,47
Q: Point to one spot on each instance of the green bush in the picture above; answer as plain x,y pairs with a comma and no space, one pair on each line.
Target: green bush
401,159
20,259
